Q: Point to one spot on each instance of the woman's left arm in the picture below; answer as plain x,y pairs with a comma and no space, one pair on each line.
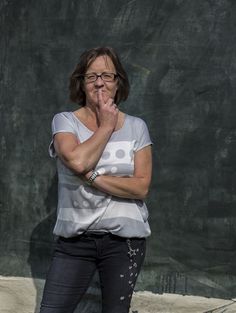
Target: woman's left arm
134,187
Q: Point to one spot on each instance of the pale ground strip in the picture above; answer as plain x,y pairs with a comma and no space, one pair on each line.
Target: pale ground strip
18,295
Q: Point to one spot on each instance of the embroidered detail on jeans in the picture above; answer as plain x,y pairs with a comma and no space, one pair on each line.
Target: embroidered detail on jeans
134,255
131,252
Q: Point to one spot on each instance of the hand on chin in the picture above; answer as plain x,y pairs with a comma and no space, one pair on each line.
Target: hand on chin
105,97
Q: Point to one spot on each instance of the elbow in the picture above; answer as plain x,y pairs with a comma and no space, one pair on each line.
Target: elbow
77,166
144,189
143,194
141,190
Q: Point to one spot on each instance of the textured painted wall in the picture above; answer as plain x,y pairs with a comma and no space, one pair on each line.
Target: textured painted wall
180,57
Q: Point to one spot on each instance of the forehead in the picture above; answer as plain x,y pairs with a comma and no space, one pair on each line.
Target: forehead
101,63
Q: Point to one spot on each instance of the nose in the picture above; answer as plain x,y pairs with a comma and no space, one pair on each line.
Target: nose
99,81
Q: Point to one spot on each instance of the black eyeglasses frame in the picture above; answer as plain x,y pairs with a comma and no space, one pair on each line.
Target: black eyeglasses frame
99,75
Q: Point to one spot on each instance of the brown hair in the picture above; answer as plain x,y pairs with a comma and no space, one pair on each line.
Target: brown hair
77,94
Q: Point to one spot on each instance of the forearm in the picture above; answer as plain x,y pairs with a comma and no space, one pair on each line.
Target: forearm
84,156
123,187
134,187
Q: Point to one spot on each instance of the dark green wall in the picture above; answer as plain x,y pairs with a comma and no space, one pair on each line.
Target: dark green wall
181,60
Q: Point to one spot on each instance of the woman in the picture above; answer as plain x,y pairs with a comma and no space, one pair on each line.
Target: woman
104,169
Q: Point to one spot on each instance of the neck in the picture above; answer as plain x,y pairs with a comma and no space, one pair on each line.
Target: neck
90,111
91,114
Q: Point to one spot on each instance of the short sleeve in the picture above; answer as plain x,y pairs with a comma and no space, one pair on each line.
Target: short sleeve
61,123
142,135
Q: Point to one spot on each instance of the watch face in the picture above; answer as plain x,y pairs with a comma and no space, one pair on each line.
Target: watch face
92,177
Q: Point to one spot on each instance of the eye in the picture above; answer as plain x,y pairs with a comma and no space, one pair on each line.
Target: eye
90,77
108,76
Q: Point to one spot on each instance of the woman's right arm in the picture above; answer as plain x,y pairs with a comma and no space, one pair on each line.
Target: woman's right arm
83,157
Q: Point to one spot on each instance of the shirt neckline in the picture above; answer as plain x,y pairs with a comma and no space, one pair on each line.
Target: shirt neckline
116,131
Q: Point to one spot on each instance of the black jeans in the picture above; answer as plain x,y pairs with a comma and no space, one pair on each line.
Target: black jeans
118,261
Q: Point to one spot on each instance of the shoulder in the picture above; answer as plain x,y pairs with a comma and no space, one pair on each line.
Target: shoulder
63,122
63,115
136,122
140,132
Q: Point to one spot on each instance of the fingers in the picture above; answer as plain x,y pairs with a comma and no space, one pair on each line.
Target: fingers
112,104
100,97
101,101
107,110
115,106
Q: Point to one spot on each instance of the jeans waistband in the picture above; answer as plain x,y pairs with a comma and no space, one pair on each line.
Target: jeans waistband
95,233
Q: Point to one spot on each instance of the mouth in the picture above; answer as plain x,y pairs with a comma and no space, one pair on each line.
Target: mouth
96,91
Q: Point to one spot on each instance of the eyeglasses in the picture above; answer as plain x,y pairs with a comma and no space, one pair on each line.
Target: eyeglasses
92,77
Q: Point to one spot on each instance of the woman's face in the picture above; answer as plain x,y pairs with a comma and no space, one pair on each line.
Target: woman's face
102,64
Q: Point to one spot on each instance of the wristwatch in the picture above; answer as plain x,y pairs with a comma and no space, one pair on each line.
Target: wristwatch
92,177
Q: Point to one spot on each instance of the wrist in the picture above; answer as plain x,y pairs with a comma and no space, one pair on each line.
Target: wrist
91,176
108,129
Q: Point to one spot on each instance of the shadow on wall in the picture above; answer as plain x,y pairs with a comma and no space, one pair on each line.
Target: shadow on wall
40,254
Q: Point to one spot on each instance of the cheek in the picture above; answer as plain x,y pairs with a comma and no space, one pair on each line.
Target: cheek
114,90
88,91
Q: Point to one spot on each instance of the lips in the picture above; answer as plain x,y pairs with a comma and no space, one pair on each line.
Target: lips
96,91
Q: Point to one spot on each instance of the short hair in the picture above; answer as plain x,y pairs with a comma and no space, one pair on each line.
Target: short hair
77,93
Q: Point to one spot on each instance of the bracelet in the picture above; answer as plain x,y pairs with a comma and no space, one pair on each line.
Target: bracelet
92,177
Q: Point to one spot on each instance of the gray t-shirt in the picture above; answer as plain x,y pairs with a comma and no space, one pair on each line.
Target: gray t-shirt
84,208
